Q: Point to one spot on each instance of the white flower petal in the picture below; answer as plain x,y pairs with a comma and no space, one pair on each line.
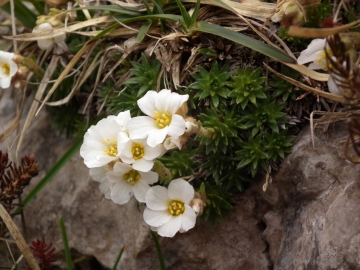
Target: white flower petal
171,143
13,68
6,56
147,103
176,101
5,82
140,127
157,136
157,198
122,118
156,218
143,165
149,177
45,27
162,101
151,152
333,88
181,190
105,187
177,126
121,168
188,219
140,188
45,44
121,192
98,174
170,228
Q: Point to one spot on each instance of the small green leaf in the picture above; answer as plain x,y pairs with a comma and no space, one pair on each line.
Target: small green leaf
66,245
143,30
247,41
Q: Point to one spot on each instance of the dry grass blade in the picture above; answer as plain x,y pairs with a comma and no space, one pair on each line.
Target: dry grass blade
44,82
59,31
20,242
308,88
253,9
86,72
114,33
66,71
321,77
319,32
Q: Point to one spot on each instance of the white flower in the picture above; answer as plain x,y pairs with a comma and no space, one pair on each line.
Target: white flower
46,44
315,53
99,175
128,182
8,68
138,152
162,119
168,210
101,141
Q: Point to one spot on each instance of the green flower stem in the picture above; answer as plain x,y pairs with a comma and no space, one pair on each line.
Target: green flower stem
158,250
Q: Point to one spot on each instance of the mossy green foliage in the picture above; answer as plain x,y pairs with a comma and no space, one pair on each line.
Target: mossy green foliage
248,129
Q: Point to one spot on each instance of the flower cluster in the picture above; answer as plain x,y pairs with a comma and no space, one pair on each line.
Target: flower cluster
120,153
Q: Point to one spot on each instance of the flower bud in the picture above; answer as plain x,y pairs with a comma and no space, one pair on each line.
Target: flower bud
17,58
41,19
190,125
197,205
289,12
22,72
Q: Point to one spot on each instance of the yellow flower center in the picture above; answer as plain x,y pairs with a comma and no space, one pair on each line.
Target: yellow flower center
132,177
6,68
137,150
162,119
322,60
176,208
111,147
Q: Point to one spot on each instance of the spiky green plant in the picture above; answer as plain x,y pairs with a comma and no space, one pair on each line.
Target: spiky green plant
223,125
266,115
252,154
145,74
212,84
247,86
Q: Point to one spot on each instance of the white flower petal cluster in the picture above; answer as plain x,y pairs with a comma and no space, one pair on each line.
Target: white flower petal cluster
48,43
167,210
120,152
8,68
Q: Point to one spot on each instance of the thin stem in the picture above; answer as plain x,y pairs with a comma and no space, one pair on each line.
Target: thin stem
13,25
158,250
